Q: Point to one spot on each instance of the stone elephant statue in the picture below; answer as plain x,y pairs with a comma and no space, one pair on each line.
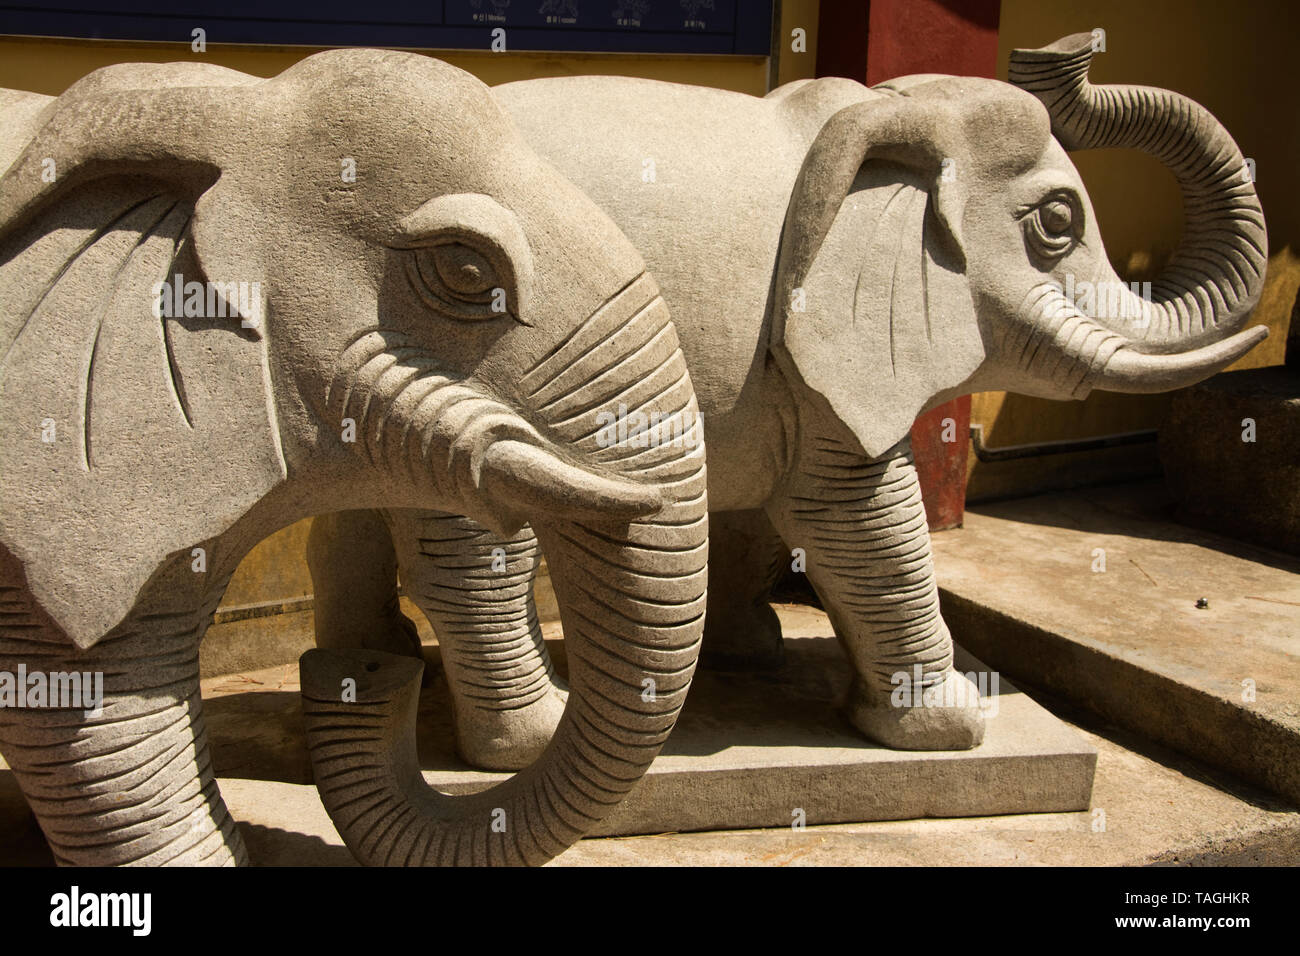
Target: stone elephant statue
838,260
228,303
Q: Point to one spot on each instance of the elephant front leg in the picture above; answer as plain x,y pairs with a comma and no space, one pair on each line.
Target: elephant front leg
132,785
862,525
476,588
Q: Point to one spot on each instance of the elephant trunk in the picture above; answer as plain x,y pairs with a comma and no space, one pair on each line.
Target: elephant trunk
129,782
631,594
631,659
1215,276
1060,344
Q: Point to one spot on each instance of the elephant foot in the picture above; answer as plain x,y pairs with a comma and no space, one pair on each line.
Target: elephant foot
944,716
742,639
509,739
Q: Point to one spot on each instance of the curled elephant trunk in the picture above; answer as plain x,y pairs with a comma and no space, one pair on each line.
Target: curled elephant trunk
1078,353
631,595
1215,276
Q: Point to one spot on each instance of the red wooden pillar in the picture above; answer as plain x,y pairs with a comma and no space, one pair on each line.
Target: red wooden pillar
873,41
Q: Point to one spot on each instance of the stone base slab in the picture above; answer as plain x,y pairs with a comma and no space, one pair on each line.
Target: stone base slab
752,750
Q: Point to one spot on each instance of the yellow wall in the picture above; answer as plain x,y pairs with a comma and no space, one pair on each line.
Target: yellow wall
1238,61
792,66
51,66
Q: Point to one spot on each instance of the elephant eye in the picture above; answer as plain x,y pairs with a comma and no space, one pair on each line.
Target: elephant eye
1050,227
1056,217
461,280
463,271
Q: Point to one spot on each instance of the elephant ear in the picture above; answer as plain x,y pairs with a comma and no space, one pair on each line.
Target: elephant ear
873,314
126,435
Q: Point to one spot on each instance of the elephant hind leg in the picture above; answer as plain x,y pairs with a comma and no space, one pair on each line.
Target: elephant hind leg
741,631
862,524
354,580
476,588
132,785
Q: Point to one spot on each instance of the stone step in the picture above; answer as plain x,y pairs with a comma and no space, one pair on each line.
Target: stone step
1220,683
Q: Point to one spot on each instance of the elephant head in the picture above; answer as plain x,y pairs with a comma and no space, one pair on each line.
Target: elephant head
946,219
387,300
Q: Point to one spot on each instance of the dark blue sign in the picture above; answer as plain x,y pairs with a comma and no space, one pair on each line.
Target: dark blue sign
615,26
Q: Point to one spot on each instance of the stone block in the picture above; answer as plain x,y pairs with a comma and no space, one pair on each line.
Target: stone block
1231,453
752,749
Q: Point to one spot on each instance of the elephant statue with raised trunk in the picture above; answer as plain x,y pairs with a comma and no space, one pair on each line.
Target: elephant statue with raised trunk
838,260
228,303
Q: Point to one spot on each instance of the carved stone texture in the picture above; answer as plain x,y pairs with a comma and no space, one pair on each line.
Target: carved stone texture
839,259
227,303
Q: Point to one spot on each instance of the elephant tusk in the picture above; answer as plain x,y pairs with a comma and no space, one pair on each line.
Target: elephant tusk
522,478
1131,371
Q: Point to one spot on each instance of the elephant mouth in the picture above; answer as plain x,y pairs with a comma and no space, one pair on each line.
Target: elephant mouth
626,537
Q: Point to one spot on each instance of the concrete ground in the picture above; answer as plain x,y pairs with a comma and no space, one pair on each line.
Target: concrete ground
1149,805
1123,658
